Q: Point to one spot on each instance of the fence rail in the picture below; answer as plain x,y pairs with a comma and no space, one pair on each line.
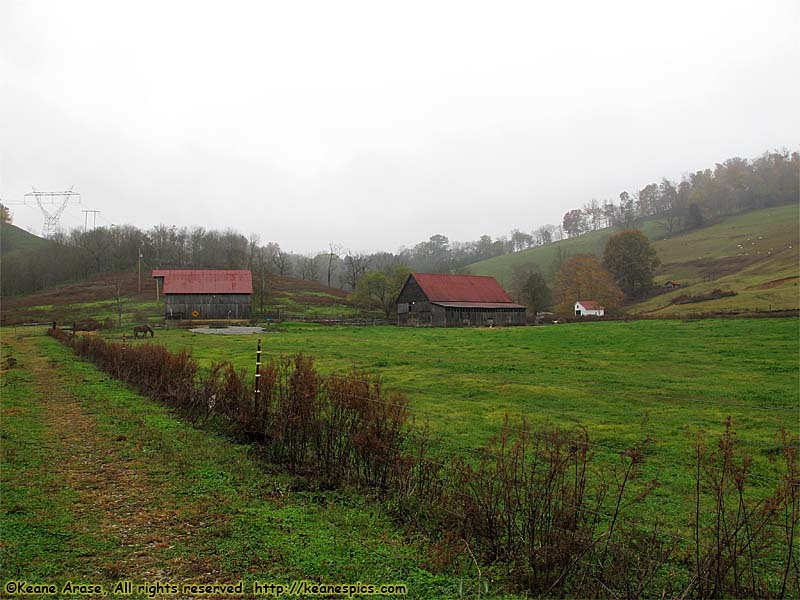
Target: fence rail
327,320
22,330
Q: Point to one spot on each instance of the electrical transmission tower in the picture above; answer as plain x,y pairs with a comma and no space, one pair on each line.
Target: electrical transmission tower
57,200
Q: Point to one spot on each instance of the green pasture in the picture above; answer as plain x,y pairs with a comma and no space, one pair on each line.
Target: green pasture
162,500
623,381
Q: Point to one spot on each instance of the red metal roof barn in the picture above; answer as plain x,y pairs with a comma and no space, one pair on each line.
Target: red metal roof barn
455,301
205,293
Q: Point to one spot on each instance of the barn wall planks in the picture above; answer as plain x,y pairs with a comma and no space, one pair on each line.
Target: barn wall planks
425,314
413,307
480,317
208,306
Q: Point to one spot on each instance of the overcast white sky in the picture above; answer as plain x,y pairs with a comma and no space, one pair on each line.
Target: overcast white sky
376,124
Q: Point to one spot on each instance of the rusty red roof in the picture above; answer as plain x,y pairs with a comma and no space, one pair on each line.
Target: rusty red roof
461,288
590,305
205,281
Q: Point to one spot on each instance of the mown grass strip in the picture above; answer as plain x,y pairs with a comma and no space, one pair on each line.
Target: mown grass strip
220,515
40,535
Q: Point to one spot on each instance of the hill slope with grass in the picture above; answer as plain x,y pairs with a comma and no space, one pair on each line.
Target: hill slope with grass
96,298
91,298
502,267
754,254
309,298
15,239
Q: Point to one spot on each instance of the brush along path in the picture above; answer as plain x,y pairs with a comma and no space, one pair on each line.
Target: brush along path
100,484
116,492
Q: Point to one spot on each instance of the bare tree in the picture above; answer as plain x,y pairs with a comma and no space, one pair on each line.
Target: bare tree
307,267
543,235
261,272
520,240
281,261
333,257
355,266
252,249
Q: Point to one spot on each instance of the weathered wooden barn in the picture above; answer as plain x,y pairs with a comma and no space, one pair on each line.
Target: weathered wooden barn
433,300
205,293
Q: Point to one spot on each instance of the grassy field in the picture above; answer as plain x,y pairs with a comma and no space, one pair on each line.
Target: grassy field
95,298
624,381
100,485
755,254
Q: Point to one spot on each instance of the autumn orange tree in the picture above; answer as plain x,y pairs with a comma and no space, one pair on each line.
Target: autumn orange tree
582,277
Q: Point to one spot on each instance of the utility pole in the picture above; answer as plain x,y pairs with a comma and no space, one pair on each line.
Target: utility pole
140,270
86,219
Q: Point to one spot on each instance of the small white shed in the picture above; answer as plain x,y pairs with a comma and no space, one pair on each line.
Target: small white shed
589,308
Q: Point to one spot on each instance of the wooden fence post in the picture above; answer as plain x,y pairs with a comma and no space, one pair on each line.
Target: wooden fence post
258,373
122,357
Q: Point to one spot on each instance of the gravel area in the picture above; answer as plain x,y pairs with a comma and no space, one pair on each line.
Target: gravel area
232,330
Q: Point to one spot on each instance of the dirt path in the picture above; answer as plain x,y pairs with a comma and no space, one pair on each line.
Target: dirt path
115,495
101,485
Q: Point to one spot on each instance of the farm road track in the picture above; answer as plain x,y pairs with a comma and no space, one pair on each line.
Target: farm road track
116,492
102,485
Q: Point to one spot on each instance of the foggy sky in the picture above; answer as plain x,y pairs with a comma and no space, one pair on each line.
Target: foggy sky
375,125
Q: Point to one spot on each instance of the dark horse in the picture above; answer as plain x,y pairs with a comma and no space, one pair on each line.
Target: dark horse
144,330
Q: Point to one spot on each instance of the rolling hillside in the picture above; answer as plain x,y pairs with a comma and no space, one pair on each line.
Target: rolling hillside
502,267
14,239
755,254
95,298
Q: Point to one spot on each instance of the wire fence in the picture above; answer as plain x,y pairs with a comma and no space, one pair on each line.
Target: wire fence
23,330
